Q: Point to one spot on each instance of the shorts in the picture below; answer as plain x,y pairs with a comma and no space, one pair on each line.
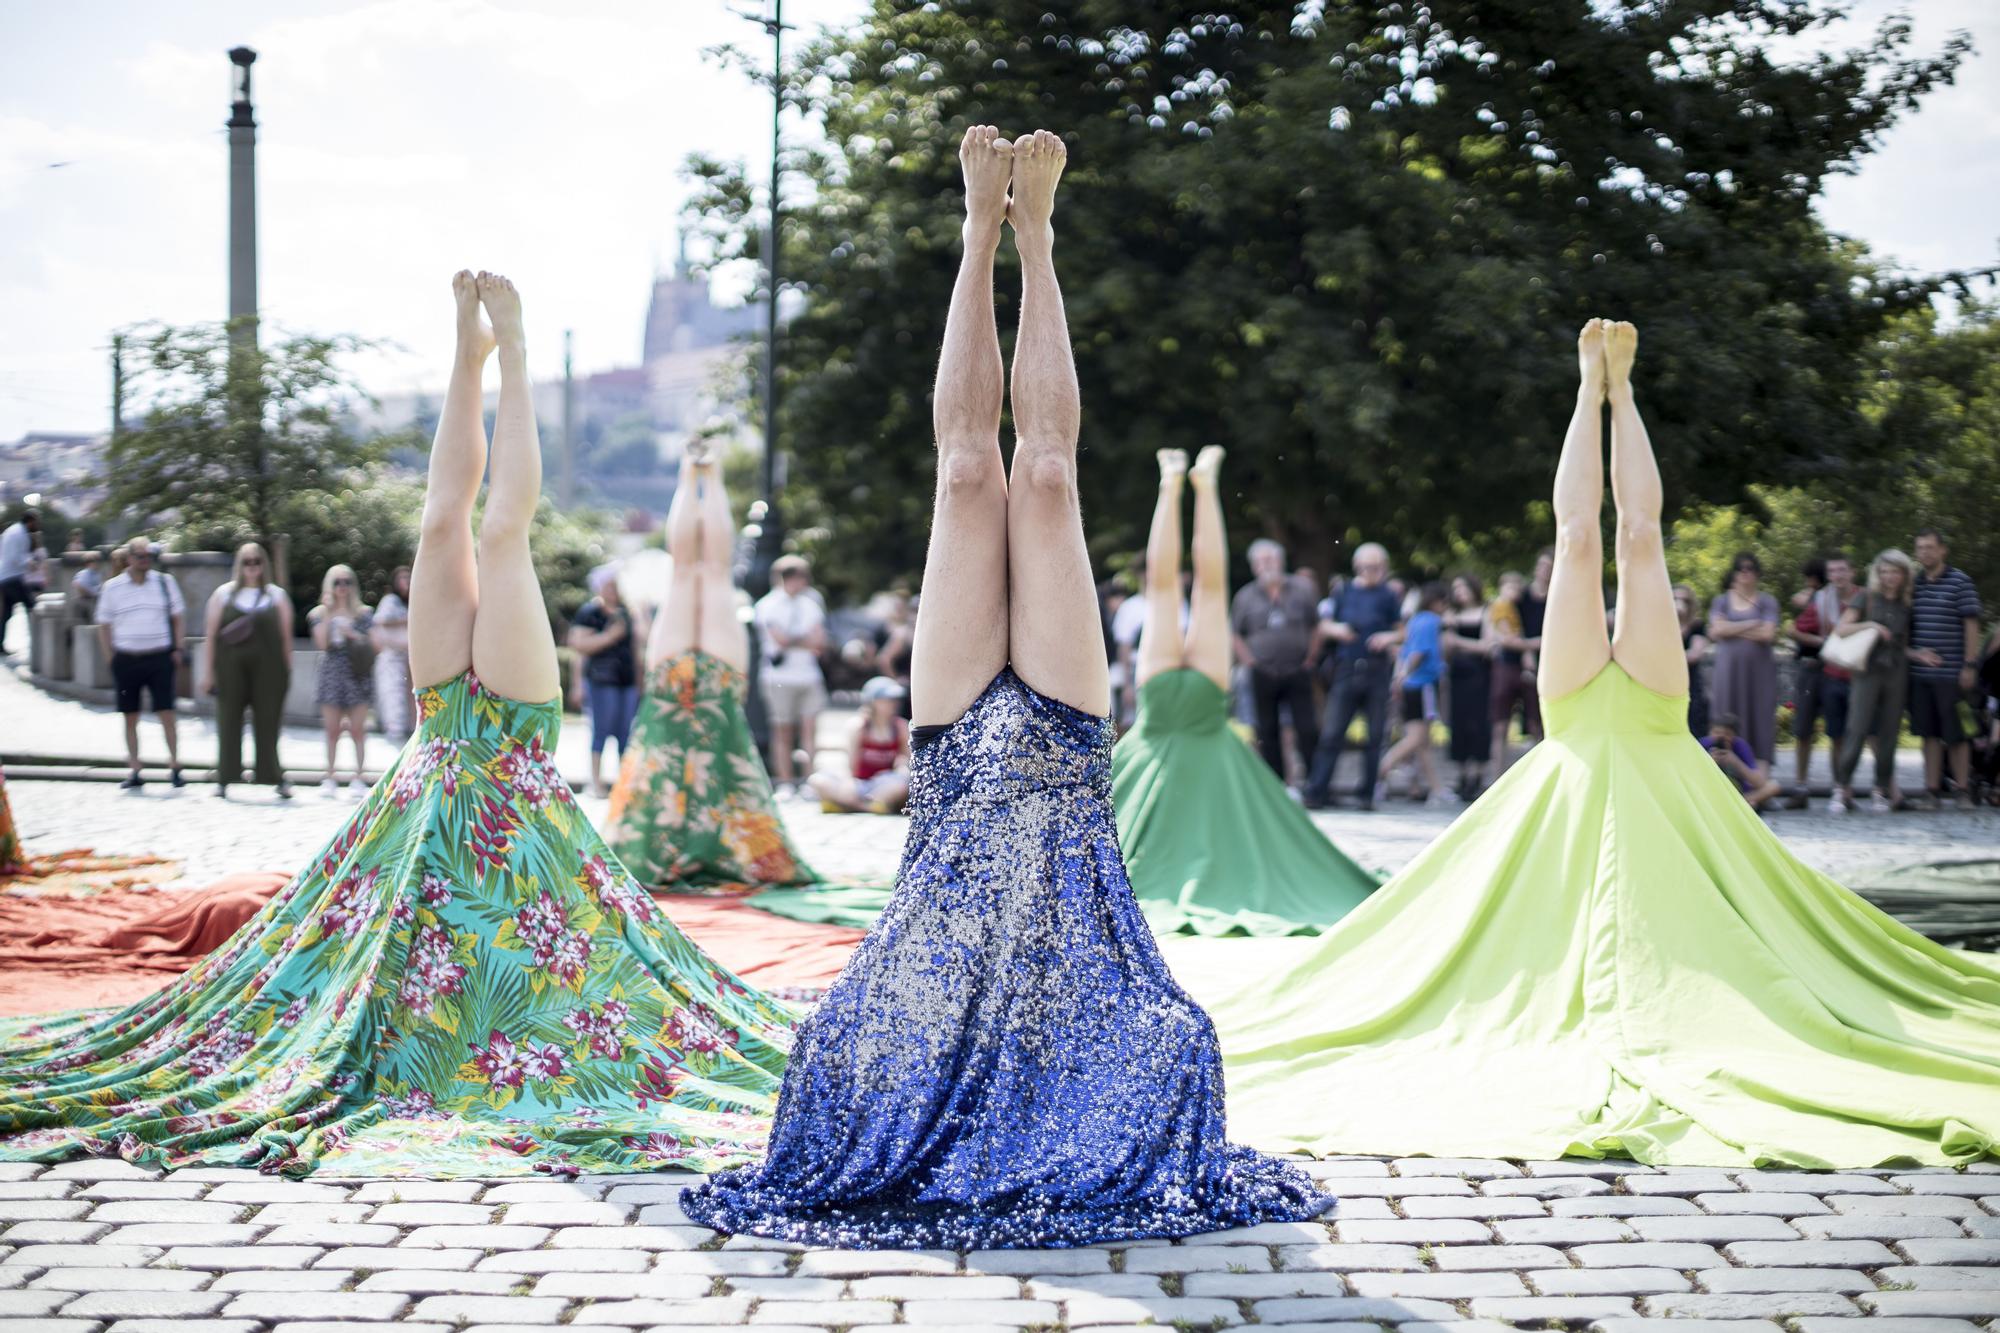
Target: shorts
1934,710
787,704
612,708
1420,703
149,673
1510,687
871,789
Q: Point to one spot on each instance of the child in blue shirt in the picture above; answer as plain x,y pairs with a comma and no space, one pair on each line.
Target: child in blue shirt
1418,672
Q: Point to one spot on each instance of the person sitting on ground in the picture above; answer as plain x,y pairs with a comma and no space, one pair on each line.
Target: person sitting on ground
878,758
1733,755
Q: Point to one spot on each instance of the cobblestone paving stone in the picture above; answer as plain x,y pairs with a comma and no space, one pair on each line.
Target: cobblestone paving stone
444,1264
1418,1244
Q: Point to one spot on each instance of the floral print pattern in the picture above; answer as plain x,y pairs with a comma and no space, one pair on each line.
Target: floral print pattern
464,982
693,811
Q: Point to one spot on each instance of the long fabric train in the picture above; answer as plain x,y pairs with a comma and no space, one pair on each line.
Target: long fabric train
1610,954
464,981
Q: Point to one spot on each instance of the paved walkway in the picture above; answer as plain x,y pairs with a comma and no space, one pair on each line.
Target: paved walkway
1415,1243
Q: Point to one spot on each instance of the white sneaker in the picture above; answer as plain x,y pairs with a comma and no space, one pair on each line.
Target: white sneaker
1381,793
1837,805
1443,798
329,788
356,789
1878,804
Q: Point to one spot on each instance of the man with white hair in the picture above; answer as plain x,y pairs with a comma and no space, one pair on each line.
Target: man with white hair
1364,619
140,618
1271,624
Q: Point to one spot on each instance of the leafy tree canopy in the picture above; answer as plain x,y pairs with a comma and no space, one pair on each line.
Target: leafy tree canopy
1352,242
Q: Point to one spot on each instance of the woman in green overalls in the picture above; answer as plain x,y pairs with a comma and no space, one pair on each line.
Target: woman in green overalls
247,662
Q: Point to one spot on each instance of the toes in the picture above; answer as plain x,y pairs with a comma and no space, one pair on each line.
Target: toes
1024,146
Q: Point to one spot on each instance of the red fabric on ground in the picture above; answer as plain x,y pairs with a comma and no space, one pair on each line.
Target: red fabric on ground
61,951
98,950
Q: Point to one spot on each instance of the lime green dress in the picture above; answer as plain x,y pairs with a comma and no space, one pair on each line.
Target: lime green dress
1609,954
463,982
1214,844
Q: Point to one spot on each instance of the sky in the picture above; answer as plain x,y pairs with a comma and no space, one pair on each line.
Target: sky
401,140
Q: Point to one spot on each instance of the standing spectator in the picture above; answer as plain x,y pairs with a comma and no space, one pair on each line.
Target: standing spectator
395,701
1469,683
1822,689
1271,631
899,641
246,662
81,599
1419,671
1944,666
605,637
141,624
346,682
1363,621
792,625
1743,621
1732,755
1517,640
1694,642
20,560
1876,709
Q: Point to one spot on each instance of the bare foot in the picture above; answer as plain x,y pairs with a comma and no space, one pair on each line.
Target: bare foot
1621,346
1590,357
1173,464
503,307
1207,464
699,451
1038,165
475,339
988,163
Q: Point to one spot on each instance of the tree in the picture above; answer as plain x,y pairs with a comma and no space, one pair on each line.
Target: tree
1352,243
234,434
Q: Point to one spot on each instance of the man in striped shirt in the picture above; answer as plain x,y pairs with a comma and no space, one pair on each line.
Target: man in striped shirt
1944,659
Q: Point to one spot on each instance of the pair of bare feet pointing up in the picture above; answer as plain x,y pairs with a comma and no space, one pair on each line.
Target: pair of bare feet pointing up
1007,577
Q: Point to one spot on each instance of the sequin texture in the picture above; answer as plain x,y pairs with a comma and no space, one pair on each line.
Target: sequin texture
1006,1060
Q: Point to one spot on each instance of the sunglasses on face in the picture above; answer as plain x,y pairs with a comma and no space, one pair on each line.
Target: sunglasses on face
253,563
343,583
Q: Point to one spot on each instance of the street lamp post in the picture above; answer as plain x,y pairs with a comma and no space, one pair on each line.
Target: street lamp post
242,200
769,524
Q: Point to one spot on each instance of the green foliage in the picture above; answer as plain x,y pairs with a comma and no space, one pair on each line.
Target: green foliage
234,433
370,521
1352,243
1933,402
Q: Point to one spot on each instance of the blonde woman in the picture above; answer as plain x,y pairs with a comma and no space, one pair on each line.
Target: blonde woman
346,685
1875,709
246,661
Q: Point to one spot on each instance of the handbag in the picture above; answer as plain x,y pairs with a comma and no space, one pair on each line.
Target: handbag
360,654
1852,652
239,630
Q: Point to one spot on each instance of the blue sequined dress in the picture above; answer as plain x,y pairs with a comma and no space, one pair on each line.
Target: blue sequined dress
1006,1060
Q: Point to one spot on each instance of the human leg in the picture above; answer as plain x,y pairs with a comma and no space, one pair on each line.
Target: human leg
1574,644
1160,647
677,624
1888,729
444,582
1647,638
232,696
330,723
1342,702
1207,648
269,678
1055,639
357,736
962,632
1375,707
1298,696
513,647
720,630
1265,691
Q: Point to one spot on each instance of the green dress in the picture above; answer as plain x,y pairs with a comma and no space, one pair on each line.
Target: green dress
1214,844
1609,954
692,811
463,982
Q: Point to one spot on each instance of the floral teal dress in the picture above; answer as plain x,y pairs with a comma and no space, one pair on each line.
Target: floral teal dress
464,982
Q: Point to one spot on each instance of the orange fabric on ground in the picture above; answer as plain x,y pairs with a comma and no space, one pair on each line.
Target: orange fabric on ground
773,953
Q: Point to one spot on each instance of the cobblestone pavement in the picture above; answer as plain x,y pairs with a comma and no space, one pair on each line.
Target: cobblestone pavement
1415,1242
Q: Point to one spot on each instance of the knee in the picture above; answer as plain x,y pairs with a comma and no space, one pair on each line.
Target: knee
968,468
1639,536
1045,470
442,524
1578,541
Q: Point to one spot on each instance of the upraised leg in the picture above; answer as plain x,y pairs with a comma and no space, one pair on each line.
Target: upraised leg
1208,647
1160,648
513,648
962,630
721,628
1055,639
677,627
1575,646
1646,640
444,581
